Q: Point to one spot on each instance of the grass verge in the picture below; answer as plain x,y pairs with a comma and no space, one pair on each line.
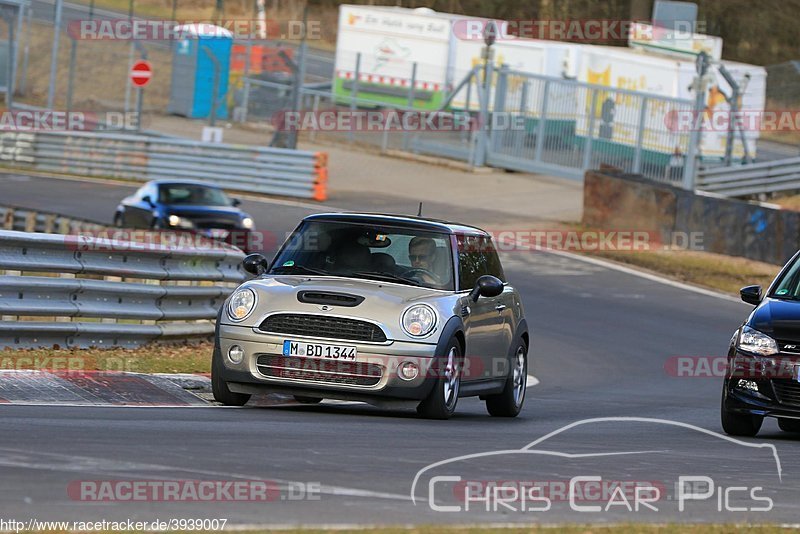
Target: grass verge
725,274
194,358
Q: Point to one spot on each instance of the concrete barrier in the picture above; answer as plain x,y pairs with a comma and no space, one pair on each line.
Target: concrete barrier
753,230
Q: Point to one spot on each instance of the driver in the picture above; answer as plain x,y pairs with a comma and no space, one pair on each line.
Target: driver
421,253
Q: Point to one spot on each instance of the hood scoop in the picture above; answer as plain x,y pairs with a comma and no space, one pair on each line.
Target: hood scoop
329,298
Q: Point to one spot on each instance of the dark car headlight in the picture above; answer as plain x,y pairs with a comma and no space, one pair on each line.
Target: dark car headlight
180,222
755,342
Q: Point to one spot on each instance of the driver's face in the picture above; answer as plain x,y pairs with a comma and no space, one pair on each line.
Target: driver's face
421,257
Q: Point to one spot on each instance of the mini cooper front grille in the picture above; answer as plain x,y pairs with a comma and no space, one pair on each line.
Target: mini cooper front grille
314,370
788,392
323,326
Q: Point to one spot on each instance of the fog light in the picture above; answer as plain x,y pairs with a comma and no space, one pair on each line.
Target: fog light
747,384
236,354
408,371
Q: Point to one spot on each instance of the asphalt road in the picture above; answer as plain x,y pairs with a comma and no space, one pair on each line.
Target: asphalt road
602,343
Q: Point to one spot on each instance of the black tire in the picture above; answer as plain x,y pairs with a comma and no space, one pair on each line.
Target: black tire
220,388
118,220
509,403
442,400
302,399
735,424
789,425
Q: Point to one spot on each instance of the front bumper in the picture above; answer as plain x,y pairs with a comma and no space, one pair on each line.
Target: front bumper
762,386
374,373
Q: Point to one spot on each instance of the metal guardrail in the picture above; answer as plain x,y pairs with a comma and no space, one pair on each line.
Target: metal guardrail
752,179
275,171
25,220
71,278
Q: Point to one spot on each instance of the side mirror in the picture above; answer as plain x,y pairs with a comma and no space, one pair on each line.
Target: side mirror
255,264
751,295
235,202
486,286
147,200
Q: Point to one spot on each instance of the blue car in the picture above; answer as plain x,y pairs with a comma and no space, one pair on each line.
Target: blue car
187,206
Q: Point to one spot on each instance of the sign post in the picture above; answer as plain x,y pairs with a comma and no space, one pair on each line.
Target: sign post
141,73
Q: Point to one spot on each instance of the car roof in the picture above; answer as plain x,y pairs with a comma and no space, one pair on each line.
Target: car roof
407,221
166,181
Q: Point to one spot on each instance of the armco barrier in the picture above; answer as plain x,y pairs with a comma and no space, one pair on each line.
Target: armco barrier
753,179
102,286
752,230
274,171
26,220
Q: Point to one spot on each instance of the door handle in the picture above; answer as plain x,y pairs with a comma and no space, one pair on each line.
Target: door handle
500,307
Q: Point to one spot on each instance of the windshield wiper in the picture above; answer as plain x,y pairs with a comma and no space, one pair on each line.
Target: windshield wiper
296,267
387,276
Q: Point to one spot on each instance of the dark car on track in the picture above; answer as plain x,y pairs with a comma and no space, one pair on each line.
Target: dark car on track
187,206
763,372
376,308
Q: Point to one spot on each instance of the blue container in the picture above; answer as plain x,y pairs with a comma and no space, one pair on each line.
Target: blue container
193,71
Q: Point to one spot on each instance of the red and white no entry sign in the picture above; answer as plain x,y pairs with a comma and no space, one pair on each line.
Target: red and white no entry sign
141,72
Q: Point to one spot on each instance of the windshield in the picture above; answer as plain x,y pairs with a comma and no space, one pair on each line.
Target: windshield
789,285
391,254
192,195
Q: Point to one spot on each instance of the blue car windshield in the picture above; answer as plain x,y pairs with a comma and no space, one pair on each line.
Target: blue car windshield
392,254
192,195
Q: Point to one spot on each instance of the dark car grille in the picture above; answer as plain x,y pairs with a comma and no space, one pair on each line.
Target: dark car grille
788,392
789,347
205,224
310,369
322,326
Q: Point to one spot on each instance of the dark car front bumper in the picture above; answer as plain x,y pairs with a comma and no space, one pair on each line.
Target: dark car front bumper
762,386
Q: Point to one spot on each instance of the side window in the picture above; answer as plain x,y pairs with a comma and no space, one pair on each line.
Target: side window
140,194
471,262
492,259
477,257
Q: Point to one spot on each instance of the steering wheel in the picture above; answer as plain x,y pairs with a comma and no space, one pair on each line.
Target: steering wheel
414,271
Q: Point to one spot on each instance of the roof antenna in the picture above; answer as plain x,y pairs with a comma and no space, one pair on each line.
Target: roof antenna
419,213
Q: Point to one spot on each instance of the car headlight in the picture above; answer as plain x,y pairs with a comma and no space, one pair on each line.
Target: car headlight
751,340
174,220
241,304
419,320
247,222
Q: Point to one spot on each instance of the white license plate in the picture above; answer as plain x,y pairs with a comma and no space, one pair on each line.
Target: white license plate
319,350
217,233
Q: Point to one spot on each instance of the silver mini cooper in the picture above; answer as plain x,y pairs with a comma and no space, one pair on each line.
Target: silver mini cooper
376,308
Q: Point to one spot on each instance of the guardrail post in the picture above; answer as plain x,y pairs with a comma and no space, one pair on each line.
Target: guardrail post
321,172
587,149
637,158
